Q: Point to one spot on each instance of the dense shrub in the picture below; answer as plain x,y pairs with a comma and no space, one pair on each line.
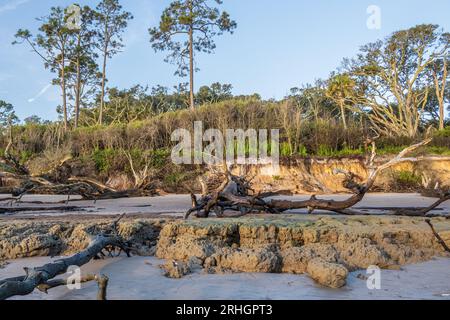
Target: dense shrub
406,180
149,141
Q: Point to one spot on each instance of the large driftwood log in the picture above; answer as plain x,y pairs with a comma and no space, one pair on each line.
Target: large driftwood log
359,190
41,277
235,194
35,277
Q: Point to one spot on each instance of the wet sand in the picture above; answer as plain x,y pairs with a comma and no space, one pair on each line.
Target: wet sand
176,205
140,278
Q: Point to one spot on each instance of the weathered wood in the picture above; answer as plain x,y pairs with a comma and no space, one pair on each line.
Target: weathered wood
102,282
438,237
40,276
7,210
359,189
234,194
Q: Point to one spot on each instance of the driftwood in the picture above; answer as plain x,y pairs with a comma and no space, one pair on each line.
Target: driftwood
8,210
42,277
87,188
52,183
438,237
235,194
102,282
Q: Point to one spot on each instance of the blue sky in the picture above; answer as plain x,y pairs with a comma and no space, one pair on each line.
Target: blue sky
277,45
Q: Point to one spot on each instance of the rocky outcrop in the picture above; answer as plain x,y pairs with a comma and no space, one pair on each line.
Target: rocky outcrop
324,247
22,239
262,260
296,259
328,274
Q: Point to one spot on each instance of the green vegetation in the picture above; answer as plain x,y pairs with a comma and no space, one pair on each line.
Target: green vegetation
150,139
407,180
197,23
397,97
103,159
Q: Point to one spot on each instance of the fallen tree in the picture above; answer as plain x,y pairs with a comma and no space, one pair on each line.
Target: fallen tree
41,278
51,182
87,188
235,194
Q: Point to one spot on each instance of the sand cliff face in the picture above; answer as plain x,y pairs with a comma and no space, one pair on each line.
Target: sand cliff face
300,175
318,175
324,247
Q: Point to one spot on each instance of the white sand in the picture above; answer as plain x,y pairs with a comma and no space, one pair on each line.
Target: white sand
140,278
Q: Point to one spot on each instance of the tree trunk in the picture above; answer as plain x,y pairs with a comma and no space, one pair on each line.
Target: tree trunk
63,86
191,64
105,57
441,115
191,72
344,120
440,93
102,95
78,89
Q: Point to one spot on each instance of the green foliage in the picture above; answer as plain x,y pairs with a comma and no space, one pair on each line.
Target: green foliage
442,151
324,151
159,158
390,150
400,63
7,114
103,159
198,22
407,179
285,149
174,178
443,133
303,152
25,155
347,152
215,93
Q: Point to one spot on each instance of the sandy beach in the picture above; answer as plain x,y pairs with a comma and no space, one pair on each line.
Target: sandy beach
141,278
175,205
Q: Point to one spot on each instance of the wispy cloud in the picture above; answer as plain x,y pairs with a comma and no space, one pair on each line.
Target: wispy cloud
44,90
12,5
